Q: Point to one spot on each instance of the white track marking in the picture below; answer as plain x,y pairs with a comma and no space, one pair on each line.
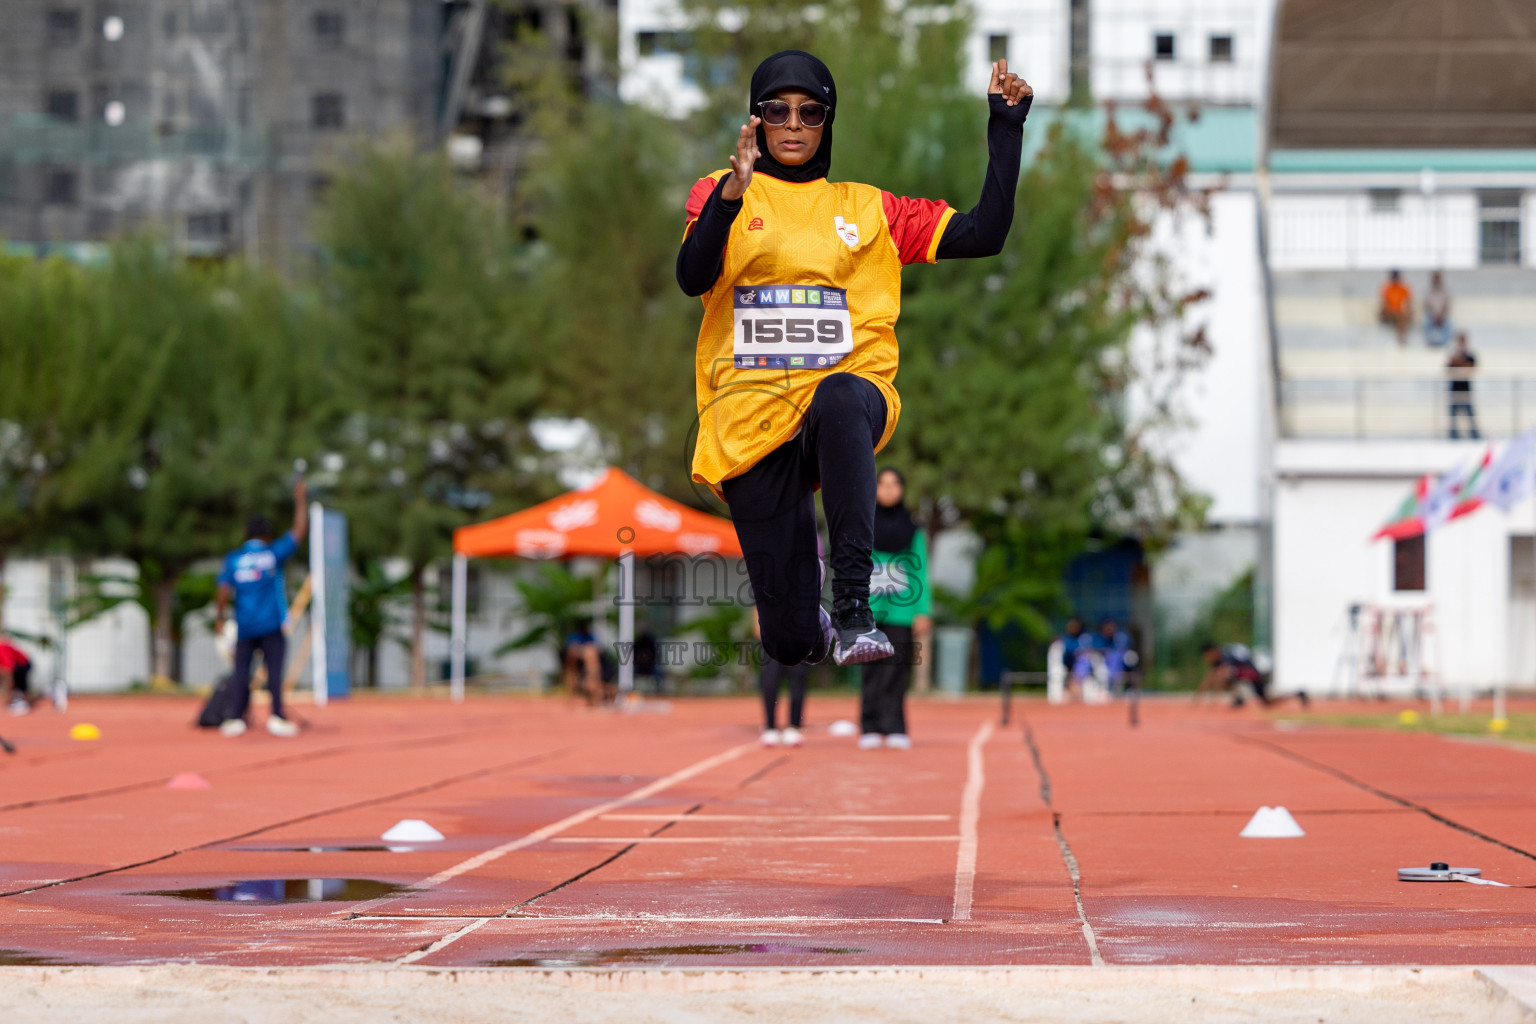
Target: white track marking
479,860
777,817
970,815
625,840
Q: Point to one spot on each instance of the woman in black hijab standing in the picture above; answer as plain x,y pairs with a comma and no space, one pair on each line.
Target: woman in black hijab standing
902,602
796,358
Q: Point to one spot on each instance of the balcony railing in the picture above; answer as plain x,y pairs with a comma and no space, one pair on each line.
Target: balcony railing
1359,232
1403,408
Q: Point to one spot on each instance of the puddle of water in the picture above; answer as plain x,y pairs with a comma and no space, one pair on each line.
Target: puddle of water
322,849
25,958
640,954
288,890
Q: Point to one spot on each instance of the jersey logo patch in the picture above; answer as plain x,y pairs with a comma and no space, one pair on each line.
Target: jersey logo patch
756,225
849,233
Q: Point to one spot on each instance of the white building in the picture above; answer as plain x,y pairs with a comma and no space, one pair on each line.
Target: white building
1363,177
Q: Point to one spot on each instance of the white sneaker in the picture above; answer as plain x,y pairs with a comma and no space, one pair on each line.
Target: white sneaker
232,727
899,741
20,707
792,737
281,727
870,741
769,738
59,693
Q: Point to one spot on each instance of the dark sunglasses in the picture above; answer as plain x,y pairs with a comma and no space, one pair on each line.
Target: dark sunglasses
812,114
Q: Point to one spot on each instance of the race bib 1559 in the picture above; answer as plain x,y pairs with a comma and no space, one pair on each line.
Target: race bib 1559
791,327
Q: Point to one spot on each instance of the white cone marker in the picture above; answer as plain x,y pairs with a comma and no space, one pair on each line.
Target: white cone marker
412,830
1271,823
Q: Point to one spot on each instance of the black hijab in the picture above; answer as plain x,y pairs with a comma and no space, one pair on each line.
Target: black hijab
794,69
894,525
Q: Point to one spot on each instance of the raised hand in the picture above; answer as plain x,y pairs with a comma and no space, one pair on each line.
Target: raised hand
1008,85
735,185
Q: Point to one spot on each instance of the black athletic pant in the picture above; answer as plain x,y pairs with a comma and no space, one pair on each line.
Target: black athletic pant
774,508
21,676
769,679
883,690
274,652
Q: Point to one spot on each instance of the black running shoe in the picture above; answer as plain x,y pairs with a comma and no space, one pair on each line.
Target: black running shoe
828,638
859,640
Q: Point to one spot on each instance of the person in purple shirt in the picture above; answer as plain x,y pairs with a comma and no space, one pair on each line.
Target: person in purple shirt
253,580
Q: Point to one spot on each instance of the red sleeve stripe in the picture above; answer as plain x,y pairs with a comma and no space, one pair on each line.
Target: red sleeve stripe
697,197
915,225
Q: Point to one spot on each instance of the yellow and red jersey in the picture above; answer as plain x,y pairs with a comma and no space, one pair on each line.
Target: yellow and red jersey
811,285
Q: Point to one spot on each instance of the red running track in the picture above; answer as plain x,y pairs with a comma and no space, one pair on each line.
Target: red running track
668,837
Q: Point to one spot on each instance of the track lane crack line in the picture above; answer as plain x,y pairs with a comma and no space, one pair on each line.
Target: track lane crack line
1323,766
1068,858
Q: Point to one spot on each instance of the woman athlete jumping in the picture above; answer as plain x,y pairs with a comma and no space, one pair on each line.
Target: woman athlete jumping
801,281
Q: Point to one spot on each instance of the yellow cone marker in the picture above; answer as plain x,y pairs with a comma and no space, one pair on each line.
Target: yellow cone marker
85,731
1408,717
1498,725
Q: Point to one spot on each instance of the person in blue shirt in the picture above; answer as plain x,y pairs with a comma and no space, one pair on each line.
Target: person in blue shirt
253,580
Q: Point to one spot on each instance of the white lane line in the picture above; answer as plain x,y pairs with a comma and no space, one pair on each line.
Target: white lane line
625,840
970,815
657,918
549,831
778,817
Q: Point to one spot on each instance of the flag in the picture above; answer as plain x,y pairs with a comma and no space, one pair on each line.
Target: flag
1509,478
1435,501
1406,521
1455,493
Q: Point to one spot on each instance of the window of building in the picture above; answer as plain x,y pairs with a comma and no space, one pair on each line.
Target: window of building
64,105
1386,200
329,111
1162,46
1077,45
330,29
63,26
651,44
1221,49
1499,228
997,48
61,187
1408,563
208,226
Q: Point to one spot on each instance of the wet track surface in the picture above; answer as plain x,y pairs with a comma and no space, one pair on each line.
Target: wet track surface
596,839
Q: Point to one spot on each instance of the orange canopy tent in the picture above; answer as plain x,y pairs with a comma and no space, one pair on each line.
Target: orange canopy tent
613,517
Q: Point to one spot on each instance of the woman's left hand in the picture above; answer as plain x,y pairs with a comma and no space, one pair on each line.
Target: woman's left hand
1007,84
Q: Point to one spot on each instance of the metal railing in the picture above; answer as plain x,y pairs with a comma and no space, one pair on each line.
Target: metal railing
1366,408
1350,233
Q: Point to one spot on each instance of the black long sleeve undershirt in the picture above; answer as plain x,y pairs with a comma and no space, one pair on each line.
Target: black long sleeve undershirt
702,256
981,231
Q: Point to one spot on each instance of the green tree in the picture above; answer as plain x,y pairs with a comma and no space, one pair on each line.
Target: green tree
436,371
204,393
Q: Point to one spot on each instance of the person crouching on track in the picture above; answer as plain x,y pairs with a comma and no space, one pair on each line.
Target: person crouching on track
1231,669
253,580
796,358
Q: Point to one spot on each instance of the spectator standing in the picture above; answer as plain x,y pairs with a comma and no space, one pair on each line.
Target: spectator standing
901,602
253,580
1437,312
1396,309
770,678
1459,368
